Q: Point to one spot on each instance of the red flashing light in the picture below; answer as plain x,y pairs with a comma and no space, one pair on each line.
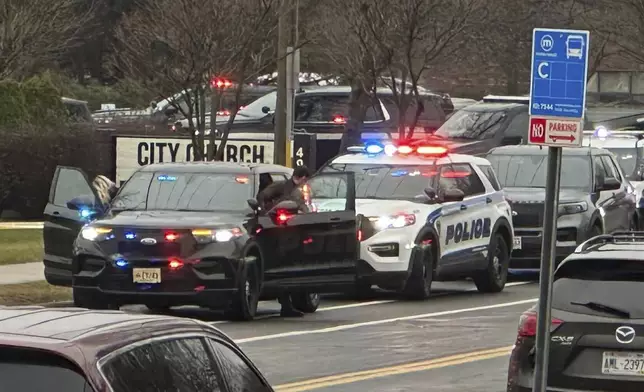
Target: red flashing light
405,150
223,113
528,324
171,236
282,216
339,120
429,173
221,83
175,264
456,174
241,180
432,150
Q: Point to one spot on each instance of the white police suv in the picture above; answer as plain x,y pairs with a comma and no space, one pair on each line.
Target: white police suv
425,214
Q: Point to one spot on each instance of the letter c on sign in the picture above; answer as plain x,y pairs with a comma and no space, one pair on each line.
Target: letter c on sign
542,74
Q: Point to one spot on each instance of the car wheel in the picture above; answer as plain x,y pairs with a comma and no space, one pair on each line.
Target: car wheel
306,302
244,306
493,278
419,283
88,301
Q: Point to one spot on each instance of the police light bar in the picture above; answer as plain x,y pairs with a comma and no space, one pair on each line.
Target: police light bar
375,148
506,99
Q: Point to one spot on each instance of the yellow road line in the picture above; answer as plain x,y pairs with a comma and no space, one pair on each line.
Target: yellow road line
347,378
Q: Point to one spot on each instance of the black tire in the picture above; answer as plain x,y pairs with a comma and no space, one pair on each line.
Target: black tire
419,283
495,276
244,304
595,231
88,301
306,302
363,289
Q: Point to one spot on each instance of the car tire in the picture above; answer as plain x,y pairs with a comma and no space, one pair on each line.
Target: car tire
88,301
363,289
246,299
306,302
419,283
493,278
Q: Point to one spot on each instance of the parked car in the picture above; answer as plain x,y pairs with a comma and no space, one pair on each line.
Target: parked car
76,350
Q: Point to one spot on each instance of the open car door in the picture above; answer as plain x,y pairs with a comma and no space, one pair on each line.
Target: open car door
315,250
63,220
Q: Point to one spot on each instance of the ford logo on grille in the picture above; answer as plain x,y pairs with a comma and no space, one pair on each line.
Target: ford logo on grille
148,241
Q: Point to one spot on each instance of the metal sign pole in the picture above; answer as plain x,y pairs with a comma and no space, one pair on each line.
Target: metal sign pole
548,254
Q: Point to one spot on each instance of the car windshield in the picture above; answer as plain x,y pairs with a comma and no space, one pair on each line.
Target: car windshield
254,109
627,158
22,370
529,171
184,192
396,182
472,124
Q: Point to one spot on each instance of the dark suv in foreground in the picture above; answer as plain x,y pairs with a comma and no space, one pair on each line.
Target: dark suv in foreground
595,198
597,332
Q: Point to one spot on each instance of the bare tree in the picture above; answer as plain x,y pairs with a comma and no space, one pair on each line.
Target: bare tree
35,33
175,48
424,33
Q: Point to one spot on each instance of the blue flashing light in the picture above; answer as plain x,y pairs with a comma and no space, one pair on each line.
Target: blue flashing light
165,177
85,213
121,263
601,132
399,173
374,148
130,235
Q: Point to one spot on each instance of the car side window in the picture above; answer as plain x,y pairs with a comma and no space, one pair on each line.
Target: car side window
279,176
518,126
599,169
238,373
611,167
181,365
491,176
460,176
328,193
70,184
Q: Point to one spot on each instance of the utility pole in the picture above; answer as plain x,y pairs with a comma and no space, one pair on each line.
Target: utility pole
283,34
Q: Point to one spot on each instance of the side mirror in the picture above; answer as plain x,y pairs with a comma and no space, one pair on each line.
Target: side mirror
430,192
610,183
253,204
452,195
153,105
266,110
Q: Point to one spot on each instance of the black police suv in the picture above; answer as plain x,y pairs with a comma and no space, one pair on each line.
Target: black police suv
192,233
597,332
595,197
495,121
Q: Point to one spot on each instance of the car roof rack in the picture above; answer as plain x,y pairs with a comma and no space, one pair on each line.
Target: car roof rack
612,238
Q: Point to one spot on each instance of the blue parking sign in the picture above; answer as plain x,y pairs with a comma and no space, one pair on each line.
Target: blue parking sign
559,73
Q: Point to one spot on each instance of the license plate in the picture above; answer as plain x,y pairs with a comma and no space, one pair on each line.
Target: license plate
517,243
623,363
146,275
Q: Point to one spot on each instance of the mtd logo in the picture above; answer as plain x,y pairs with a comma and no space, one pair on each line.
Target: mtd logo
463,231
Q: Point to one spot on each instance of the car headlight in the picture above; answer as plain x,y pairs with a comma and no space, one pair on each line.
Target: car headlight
92,233
572,208
393,221
204,236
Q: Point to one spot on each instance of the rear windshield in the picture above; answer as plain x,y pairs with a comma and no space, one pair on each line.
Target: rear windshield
396,182
184,192
29,371
617,284
470,124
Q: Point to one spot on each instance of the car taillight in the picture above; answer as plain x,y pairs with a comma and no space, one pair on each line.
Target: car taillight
175,264
339,120
282,216
528,324
171,236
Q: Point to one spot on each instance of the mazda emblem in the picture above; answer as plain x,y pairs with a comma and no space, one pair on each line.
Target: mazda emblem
624,334
148,241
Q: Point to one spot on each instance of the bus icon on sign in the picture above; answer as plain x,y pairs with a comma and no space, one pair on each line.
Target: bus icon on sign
575,46
547,43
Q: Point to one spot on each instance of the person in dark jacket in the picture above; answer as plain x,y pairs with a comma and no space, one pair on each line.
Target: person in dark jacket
285,190
270,197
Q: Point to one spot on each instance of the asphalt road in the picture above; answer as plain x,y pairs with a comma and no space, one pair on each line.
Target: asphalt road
459,340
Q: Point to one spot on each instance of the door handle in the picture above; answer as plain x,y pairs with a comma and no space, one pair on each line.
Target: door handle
463,207
56,213
336,219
